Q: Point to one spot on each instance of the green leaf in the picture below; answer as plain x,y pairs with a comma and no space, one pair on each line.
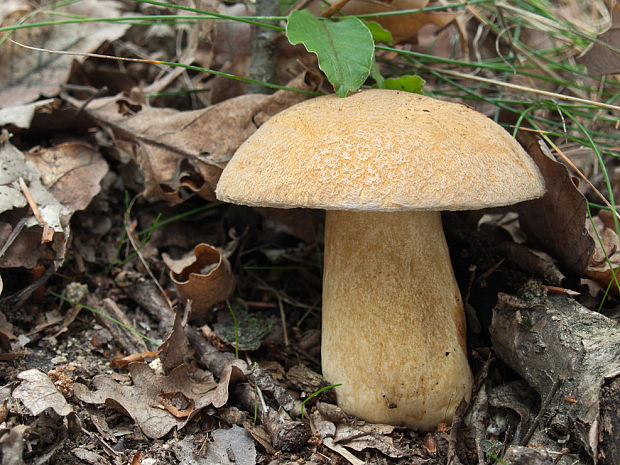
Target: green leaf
377,76
345,49
408,83
379,33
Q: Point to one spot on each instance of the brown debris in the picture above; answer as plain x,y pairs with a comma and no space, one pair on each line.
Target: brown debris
187,149
202,277
543,338
556,222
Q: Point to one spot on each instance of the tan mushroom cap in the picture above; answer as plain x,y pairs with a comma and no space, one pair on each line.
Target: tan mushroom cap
380,150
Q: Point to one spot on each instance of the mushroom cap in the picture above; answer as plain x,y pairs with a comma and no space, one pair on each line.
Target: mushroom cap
380,150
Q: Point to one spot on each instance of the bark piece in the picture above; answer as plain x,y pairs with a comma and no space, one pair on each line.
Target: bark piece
130,342
519,455
546,337
286,434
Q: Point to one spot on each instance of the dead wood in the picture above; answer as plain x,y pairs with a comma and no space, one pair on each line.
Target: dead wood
544,338
146,294
130,342
519,455
457,421
282,396
285,433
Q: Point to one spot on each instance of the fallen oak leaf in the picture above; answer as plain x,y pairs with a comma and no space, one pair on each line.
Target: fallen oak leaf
168,398
140,401
187,149
27,74
38,393
556,222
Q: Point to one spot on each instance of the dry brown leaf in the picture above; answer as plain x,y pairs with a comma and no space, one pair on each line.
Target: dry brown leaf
38,393
402,27
599,59
28,249
27,74
71,172
21,116
188,149
62,180
606,245
140,401
369,436
173,350
555,222
202,276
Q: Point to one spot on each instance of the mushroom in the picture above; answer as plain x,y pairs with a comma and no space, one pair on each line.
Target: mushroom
384,164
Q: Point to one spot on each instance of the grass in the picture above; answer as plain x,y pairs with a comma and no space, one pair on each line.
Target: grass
106,316
589,120
577,108
314,394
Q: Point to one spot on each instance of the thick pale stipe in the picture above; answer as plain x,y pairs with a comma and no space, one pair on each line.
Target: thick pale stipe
393,324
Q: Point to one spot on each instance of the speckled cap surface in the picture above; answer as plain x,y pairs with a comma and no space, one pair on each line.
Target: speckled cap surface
380,150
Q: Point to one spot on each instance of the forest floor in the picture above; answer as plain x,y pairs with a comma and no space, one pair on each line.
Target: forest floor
109,225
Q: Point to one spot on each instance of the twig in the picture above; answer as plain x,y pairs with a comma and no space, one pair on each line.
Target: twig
141,257
335,8
453,458
283,318
282,396
47,231
14,233
543,409
285,433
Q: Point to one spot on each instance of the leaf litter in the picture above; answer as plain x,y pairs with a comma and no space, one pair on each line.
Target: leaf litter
112,396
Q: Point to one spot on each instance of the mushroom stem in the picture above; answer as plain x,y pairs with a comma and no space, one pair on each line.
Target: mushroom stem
393,324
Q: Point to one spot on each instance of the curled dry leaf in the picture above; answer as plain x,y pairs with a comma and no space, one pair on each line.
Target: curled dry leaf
173,350
141,400
26,74
203,276
187,149
556,222
606,246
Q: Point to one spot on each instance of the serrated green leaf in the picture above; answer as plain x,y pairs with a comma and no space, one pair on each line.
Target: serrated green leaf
345,49
409,83
379,33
